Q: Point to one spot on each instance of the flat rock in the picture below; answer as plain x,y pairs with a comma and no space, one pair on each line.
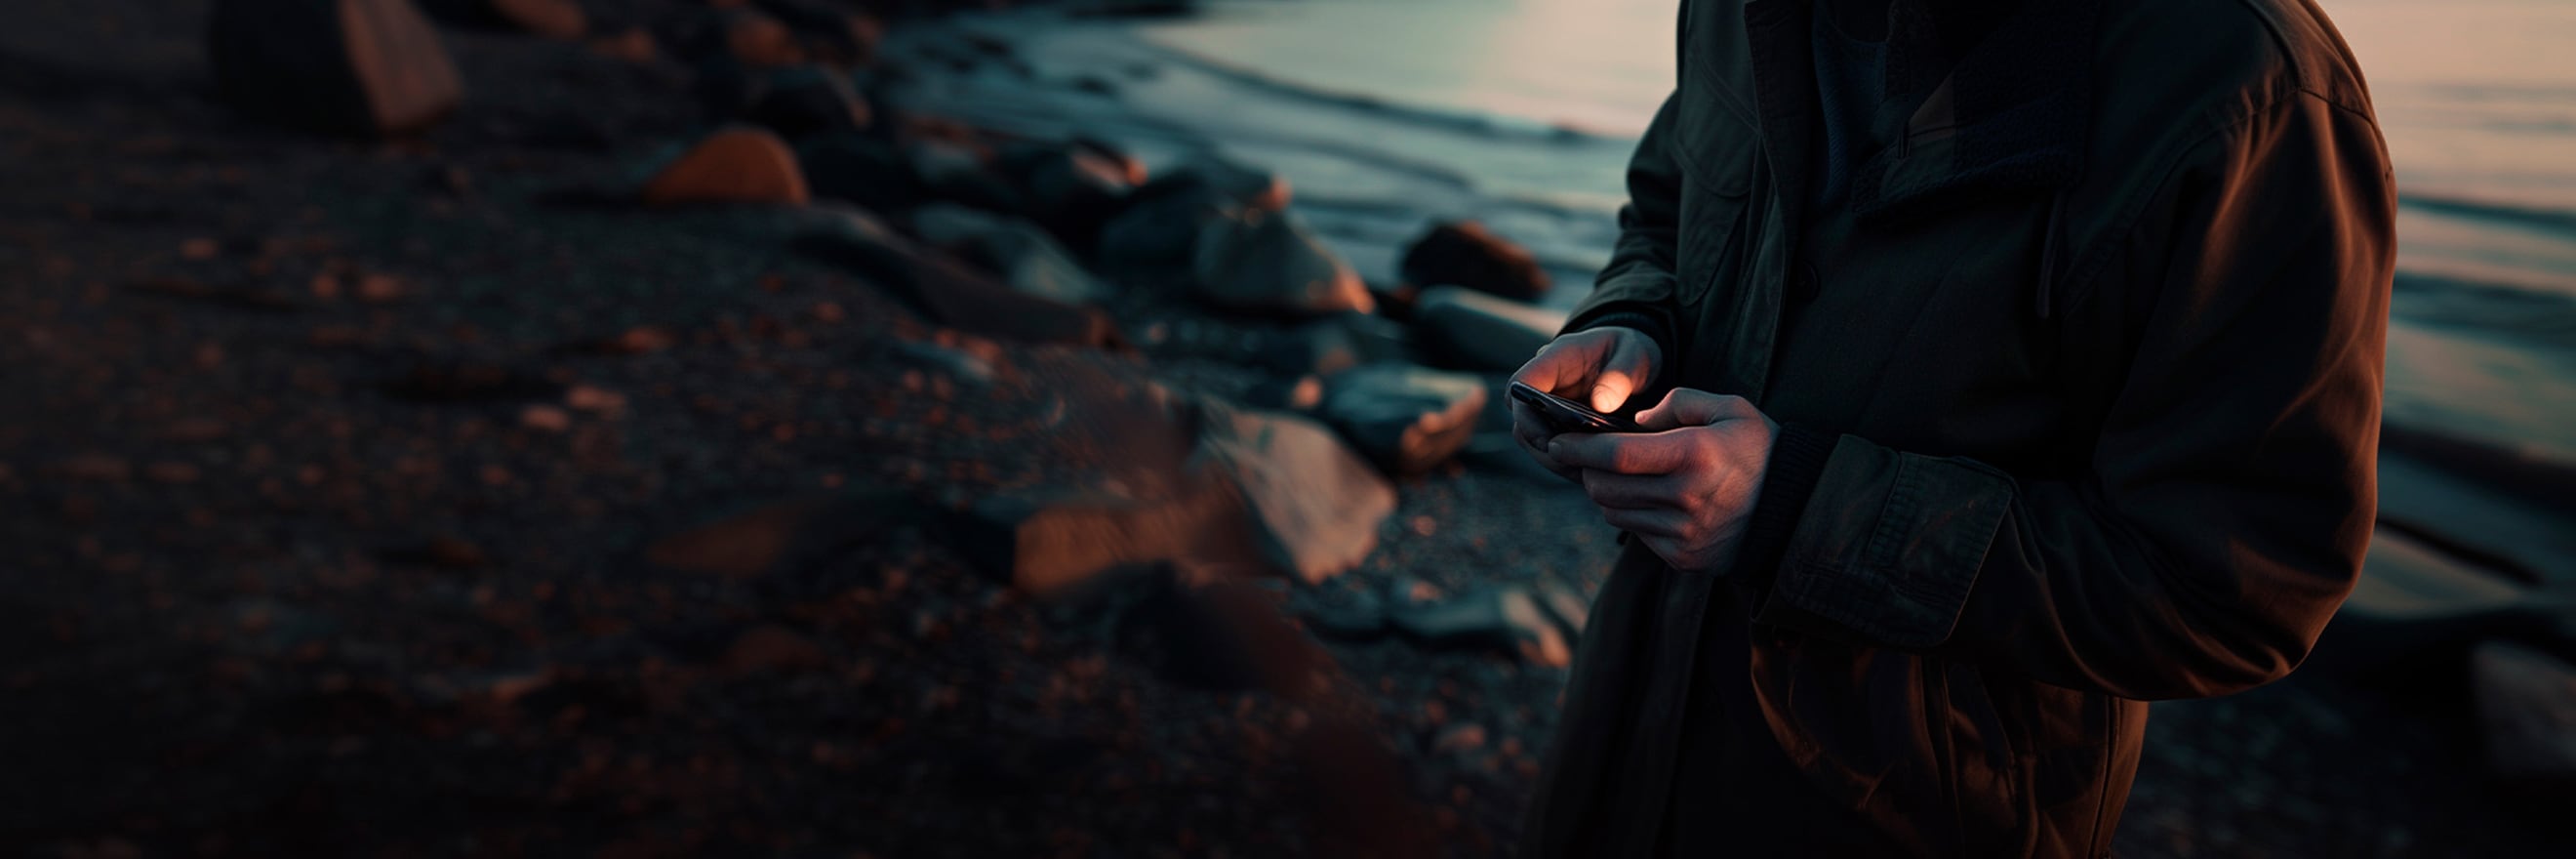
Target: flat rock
1317,506
1269,263
1475,331
739,164
860,169
830,33
1464,253
346,66
1506,619
1026,257
2526,703
958,295
797,101
1406,419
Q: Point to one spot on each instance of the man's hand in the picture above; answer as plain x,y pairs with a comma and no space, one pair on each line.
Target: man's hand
1601,366
1688,487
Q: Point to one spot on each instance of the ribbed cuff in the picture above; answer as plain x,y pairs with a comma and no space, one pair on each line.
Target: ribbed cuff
1797,461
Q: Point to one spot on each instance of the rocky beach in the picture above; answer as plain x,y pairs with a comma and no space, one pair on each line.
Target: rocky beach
804,427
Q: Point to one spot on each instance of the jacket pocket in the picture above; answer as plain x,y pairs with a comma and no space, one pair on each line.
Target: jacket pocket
1719,156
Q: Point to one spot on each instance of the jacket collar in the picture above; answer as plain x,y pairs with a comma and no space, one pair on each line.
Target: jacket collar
2004,113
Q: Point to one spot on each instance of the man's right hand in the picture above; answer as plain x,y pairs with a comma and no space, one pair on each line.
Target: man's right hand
1602,366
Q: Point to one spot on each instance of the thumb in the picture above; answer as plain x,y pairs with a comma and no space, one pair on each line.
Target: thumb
1618,378
1687,407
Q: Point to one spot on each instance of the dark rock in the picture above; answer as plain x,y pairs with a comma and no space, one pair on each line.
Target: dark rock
1505,619
959,174
1072,189
797,101
1244,186
958,295
2526,705
1349,614
346,66
1269,263
1024,256
1474,331
1161,222
861,170
1335,344
1404,418
1464,253
738,164
830,33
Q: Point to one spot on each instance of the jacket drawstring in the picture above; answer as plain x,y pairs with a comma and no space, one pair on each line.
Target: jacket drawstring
2048,254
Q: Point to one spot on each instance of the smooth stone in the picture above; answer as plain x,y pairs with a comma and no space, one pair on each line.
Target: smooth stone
363,67
1072,189
1316,505
1269,263
1025,257
1475,331
958,295
1406,419
797,101
1464,253
860,169
1160,225
737,164
1505,619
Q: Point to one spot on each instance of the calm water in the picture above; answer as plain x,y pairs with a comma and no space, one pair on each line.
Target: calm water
2476,97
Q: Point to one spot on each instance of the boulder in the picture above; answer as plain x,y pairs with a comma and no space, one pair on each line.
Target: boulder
1404,418
1244,186
1506,619
797,101
1334,344
1255,261
1056,546
1316,507
1474,331
1464,253
860,169
1072,189
957,295
830,33
959,174
2526,705
1161,222
738,164
1024,256
344,66
554,19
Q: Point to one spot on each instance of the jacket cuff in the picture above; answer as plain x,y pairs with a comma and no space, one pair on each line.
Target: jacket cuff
1798,457
1888,547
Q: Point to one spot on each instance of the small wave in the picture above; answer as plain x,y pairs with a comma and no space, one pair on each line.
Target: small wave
1471,122
2513,213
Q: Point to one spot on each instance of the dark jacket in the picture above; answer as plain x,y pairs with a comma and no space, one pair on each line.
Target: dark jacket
2081,400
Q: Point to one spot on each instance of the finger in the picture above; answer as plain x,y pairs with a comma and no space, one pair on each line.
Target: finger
1686,407
1624,453
1657,524
1631,492
1563,363
1621,373
1532,430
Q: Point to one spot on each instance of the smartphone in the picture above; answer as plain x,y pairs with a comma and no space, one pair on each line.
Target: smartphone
1566,415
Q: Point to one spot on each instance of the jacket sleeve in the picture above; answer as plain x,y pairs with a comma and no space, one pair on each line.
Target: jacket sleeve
1636,289
2229,494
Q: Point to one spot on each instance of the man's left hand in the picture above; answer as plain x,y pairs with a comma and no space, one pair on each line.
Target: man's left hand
1688,484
